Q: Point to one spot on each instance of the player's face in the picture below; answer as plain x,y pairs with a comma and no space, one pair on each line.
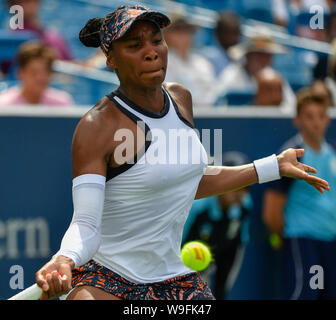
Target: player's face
313,120
140,56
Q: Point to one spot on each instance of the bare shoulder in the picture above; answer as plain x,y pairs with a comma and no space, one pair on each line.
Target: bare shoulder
179,91
101,116
183,98
92,143
176,87
97,124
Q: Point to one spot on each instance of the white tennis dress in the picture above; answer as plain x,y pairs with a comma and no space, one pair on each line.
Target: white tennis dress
147,202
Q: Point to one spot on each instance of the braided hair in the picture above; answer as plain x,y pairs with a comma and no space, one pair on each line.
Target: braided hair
90,33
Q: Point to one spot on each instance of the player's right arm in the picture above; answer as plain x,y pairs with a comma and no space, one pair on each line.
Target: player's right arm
91,148
273,209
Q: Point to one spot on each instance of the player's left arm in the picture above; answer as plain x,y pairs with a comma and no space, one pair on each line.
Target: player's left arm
218,180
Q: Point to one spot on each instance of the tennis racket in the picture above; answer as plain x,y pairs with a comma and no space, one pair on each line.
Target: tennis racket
32,293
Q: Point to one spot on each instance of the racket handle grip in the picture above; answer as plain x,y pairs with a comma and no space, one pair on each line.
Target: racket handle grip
31,293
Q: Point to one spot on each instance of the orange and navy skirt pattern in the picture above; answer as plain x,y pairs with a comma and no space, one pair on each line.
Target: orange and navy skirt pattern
187,287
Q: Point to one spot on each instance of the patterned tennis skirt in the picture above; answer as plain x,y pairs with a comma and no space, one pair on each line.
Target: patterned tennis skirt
187,287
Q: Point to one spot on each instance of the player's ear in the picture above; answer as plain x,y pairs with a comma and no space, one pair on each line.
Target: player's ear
110,61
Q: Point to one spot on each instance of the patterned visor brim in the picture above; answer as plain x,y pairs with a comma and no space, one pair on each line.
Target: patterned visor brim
119,23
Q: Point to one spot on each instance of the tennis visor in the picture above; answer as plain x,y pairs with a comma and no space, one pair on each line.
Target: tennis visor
123,19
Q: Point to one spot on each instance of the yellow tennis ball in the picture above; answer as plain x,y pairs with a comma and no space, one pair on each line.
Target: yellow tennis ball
275,241
196,255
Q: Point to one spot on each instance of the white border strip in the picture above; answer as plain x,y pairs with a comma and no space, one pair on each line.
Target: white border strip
44,111
240,112
248,112
199,112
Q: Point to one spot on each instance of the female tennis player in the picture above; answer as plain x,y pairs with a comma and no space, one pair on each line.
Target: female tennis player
129,210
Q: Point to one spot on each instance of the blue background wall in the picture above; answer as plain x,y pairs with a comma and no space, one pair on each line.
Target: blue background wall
35,171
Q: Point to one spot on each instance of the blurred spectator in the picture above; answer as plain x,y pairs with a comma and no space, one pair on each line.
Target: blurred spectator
35,64
250,58
305,5
320,88
32,23
280,12
330,80
301,215
299,10
321,68
269,88
227,34
222,223
184,65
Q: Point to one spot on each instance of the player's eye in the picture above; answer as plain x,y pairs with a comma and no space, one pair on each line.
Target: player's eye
134,45
157,41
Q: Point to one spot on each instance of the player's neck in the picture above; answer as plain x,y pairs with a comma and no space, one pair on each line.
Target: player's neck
151,99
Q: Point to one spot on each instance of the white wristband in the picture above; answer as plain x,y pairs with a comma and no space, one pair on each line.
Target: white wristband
267,169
